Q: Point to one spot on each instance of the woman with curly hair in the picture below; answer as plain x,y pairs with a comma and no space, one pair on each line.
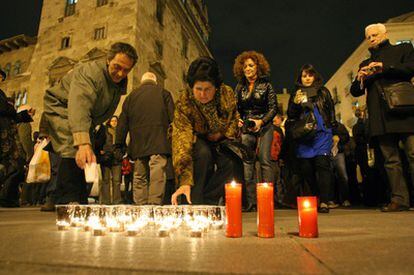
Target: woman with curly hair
257,105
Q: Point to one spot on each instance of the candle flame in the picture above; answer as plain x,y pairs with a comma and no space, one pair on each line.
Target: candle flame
233,183
306,204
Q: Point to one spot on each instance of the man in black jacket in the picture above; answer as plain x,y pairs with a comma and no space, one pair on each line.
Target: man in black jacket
388,64
146,114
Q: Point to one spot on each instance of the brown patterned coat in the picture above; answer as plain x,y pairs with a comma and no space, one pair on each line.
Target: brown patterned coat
189,123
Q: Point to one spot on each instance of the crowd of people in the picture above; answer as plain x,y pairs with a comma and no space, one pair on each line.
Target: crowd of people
184,152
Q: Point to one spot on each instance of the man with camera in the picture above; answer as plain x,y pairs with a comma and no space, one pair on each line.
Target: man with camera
388,72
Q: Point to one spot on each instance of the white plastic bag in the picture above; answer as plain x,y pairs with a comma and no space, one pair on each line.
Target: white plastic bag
39,166
96,182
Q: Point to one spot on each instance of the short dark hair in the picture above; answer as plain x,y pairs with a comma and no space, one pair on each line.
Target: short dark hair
310,69
124,48
204,69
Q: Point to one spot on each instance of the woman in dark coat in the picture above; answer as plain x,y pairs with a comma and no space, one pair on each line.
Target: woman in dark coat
257,105
314,154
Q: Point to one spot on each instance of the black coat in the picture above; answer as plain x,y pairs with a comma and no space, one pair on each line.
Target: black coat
398,66
146,114
343,135
261,103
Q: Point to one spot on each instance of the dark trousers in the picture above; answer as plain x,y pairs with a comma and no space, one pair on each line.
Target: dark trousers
71,183
393,164
317,172
212,169
51,188
262,141
341,177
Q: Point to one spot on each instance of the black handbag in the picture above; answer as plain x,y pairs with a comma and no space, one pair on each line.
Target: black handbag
237,149
399,97
305,128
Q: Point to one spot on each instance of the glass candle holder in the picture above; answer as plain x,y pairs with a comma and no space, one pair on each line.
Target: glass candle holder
62,217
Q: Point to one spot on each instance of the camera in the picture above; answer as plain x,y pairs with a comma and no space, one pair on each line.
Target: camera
373,70
247,124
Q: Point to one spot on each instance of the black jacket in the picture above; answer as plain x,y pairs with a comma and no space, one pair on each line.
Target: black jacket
398,66
260,104
146,114
343,135
323,101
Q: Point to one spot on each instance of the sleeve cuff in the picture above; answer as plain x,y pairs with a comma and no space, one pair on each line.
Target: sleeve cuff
80,138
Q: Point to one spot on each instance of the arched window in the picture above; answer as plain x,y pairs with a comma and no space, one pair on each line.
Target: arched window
17,67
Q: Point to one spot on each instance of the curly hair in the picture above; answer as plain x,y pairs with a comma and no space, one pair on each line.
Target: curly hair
263,67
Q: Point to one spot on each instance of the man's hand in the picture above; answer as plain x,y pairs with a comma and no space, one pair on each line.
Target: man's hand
215,137
183,189
362,73
84,155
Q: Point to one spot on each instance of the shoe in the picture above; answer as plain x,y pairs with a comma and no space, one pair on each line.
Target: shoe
394,207
48,207
250,208
346,203
332,205
323,208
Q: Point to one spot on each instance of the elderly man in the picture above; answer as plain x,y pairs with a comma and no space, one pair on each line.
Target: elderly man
85,97
146,114
387,65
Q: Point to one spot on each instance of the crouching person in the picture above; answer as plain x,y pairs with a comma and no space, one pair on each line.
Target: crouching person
205,116
85,97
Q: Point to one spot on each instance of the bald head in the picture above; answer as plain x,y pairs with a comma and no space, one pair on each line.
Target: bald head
148,76
375,34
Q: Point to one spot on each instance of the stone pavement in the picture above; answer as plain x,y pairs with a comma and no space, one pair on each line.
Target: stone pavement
351,241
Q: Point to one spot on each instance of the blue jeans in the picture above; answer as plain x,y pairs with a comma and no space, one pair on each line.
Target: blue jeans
262,141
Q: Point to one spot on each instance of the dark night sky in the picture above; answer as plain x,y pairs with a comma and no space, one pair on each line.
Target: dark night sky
289,33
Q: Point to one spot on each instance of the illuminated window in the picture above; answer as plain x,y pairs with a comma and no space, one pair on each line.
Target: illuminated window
70,7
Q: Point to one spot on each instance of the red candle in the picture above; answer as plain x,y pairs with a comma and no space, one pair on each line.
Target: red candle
233,210
308,217
265,210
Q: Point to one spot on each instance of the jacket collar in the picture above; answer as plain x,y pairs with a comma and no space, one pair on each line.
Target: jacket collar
382,45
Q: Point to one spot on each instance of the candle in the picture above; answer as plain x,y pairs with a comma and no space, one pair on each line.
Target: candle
98,231
308,217
233,192
163,231
196,232
265,210
62,225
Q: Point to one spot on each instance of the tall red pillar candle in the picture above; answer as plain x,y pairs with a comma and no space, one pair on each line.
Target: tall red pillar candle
265,210
308,217
233,210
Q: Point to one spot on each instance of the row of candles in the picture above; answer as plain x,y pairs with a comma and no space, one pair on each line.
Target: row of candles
307,212
134,220
198,220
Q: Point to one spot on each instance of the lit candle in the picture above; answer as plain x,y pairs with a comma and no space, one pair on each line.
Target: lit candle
62,225
233,192
308,217
196,232
265,210
98,230
163,232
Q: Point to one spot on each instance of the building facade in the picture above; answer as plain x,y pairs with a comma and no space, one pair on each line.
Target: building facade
400,30
168,35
